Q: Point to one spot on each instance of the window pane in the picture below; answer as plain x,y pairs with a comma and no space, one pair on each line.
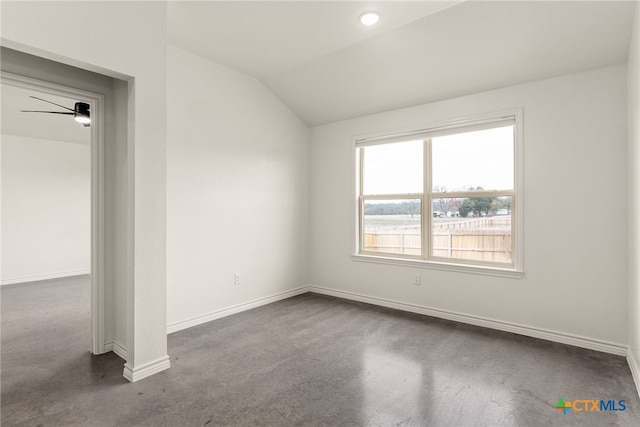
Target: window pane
477,228
479,160
392,226
393,168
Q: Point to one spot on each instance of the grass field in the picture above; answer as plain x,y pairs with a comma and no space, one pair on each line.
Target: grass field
381,222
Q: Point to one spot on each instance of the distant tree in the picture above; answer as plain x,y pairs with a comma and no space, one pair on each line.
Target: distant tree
505,203
479,206
413,207
466,207
482,205
444,204
441,203
454,204
501,203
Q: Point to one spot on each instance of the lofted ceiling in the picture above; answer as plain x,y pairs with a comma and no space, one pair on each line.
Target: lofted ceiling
36,125
266,38
326,66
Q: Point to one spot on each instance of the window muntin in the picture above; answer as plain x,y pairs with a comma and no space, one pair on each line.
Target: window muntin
466,170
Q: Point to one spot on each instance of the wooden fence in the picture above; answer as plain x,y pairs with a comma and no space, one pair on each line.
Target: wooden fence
480,239
494,222
407,241
478,245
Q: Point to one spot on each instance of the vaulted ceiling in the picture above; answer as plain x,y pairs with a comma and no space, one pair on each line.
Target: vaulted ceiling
322,63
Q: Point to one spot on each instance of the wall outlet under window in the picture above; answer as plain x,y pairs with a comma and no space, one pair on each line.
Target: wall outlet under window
236,279
417,279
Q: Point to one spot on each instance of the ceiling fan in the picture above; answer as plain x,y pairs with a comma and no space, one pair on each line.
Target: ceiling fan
80,112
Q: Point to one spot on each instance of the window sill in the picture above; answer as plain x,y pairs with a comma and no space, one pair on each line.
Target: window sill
459,268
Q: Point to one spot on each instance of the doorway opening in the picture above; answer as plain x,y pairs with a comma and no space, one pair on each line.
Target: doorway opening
53,147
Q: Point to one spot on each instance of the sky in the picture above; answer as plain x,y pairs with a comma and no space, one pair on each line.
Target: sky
474,159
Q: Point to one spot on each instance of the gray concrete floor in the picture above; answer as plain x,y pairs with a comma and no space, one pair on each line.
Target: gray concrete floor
309,360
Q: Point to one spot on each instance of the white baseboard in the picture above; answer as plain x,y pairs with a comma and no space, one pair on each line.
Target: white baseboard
137,373
117,348
560,337
47,276
545,334
635,369
198,320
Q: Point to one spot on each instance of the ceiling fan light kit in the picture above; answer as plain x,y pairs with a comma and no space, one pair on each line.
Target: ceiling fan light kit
81,111
82,114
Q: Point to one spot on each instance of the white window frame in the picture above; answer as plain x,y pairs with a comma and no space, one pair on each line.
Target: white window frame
426,133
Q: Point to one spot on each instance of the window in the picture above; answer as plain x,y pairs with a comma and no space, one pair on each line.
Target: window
444,196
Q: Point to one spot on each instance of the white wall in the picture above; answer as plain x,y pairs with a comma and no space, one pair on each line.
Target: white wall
633,87
45,209
127,40
575,192
237,184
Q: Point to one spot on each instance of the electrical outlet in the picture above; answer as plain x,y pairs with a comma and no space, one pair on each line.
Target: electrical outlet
417,279
236,279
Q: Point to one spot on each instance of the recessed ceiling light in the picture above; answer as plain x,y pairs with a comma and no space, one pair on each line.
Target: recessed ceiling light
369,18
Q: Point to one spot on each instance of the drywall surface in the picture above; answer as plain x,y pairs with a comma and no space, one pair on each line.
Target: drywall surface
237,185
633,88
575,210
45,209
127,40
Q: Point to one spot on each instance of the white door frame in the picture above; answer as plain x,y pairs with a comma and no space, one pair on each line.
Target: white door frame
96,101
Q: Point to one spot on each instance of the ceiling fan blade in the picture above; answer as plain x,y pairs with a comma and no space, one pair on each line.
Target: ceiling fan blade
48,112
66,108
